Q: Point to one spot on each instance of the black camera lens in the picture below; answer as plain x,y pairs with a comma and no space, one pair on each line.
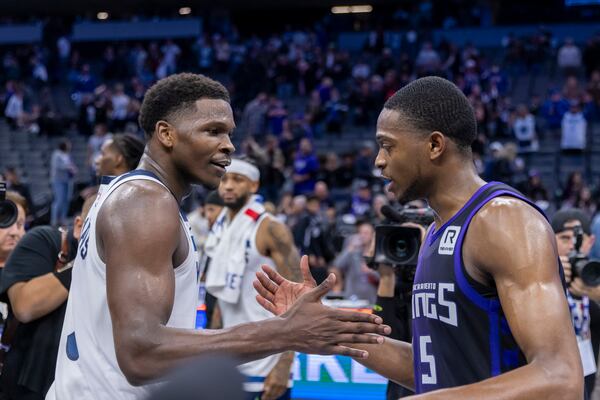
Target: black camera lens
589,272
8,213
401,247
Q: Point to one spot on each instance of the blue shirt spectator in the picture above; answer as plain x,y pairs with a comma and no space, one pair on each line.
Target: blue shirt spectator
554,109
306,167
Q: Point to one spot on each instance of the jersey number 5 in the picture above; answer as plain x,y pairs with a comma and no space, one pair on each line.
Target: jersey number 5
431,378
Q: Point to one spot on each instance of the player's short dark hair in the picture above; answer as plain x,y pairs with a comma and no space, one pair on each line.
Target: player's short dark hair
131,147
175,94
436,104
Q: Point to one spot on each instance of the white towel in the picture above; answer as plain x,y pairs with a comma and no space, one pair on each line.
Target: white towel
226,246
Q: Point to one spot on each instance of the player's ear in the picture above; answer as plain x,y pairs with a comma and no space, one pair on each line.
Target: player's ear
437,145
254,187
165,133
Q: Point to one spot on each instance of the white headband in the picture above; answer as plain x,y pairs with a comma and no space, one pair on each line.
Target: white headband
244,168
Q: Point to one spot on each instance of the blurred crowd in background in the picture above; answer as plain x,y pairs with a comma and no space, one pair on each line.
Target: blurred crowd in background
296,96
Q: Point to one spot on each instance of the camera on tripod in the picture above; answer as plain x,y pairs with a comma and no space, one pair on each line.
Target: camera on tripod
399,245
8,209
588,270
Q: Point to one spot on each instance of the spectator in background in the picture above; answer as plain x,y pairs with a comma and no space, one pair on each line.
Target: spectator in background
118,155
37,286
120,107
594,87
363,166
569,58
272,169
306,167
14,111
62,173
39,73
535,190
255,116
428,60
13,182
322,193
377,216
9,237
353,278
524,130
204,54
328,170
203,217
595,230
310,238
171,53
572,188
591,54
84,82
585,314
574,130
276,116
94,147
554,109
362,200
346,173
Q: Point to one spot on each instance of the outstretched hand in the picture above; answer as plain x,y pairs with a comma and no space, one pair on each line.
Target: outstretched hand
277,294
312,327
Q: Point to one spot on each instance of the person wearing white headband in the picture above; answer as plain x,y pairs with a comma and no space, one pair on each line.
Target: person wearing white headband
244,168
243,238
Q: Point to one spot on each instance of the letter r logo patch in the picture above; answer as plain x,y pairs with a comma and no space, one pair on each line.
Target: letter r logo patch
449,239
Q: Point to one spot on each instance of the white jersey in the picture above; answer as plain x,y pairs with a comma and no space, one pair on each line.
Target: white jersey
247,309
87,366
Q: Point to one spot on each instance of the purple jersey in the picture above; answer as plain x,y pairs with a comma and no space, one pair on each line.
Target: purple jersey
460,334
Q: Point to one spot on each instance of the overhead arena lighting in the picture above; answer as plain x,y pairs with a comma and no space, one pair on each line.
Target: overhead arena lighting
185,11
352,9
102,15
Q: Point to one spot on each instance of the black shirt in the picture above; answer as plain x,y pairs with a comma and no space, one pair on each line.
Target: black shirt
31,361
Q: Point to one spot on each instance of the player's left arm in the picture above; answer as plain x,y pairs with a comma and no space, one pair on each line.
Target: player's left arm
275,240
515,245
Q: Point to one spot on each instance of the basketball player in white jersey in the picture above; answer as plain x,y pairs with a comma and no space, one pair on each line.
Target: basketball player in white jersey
131,309
264,241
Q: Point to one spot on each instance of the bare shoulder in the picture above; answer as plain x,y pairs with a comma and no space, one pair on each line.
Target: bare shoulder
274,228
509,232
507,215
272,232
141,209
138,199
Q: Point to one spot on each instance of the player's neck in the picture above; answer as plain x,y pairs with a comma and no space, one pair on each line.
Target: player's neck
167,174
452,191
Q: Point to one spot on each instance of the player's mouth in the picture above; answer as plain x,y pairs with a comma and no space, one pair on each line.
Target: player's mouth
221,164
388,183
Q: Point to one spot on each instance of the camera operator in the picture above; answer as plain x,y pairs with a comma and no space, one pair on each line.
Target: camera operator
585,312
394,292
10,236
353,278
36,282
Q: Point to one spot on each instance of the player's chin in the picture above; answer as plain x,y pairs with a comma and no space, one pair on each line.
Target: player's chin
210,181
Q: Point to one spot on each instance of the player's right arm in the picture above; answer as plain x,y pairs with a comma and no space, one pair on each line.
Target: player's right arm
139,247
